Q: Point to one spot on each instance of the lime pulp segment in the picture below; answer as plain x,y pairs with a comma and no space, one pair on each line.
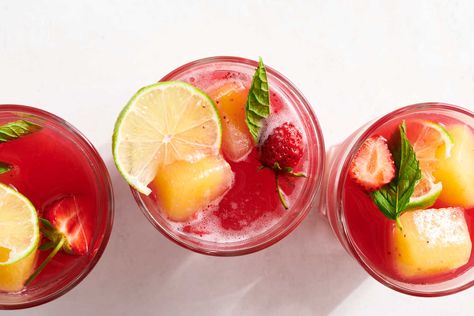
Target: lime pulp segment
163,123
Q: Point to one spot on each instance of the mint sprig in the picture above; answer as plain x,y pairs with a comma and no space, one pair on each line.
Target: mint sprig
17,129
4,167
257,107
393,198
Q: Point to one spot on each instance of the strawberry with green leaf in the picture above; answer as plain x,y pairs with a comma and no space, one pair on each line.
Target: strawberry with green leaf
282,150
390,176
63,229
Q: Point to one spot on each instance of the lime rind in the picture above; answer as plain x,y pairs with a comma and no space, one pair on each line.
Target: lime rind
138,183
426,200
447,139
4,189
444,134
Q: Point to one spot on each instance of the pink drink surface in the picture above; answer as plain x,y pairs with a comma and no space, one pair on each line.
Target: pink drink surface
372,232
251,205
46,167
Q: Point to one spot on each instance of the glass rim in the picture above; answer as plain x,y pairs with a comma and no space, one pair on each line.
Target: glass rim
357,141
103,172
309,190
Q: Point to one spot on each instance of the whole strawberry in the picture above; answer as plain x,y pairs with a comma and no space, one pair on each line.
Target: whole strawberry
283,147
281,152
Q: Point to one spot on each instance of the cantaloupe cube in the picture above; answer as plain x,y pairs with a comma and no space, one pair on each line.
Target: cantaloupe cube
457,172
184,188
432,241
230,101
13,276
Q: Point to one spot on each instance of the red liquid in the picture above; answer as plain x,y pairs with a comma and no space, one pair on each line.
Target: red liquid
252,204
371,231
48,166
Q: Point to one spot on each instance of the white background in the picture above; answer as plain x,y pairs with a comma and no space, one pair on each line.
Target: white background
353,60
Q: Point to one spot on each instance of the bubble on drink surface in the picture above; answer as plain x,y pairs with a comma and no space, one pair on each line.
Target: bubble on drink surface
207,227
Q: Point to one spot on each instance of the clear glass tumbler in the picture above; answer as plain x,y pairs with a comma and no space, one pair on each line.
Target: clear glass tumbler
219,67
336,206
65,271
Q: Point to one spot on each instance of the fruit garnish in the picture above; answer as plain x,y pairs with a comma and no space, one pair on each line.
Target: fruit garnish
281,152
372,166
393,198
17,129
4,167
19,238
432,241
426,192
63,227
284,146
456,172
184,188
428,139
161,124
230,100
258,102
62,219
283,149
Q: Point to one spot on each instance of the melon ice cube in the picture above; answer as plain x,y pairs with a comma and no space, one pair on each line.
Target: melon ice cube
457,171
230,100
184,188
432,241
13,276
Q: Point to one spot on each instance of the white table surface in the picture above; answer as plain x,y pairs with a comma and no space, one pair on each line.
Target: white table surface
353,60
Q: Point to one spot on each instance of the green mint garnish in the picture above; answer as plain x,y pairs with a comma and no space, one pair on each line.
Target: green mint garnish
392,199
4,167
17,129
258,101
14,130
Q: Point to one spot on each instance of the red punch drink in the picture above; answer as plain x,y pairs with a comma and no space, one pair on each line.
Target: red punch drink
60,173
252,188
406,186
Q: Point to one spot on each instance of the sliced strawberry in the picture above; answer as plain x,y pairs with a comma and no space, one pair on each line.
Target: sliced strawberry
373,166
65,216
62,229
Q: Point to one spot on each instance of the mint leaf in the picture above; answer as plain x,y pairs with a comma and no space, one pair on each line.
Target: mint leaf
4,167
258,101
392,199
14,130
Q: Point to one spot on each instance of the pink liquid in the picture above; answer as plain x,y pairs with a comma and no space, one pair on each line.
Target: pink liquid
252,204
46,167
371,231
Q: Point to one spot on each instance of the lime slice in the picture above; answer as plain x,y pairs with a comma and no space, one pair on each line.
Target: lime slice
429,139
163,123
19,237
426,192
